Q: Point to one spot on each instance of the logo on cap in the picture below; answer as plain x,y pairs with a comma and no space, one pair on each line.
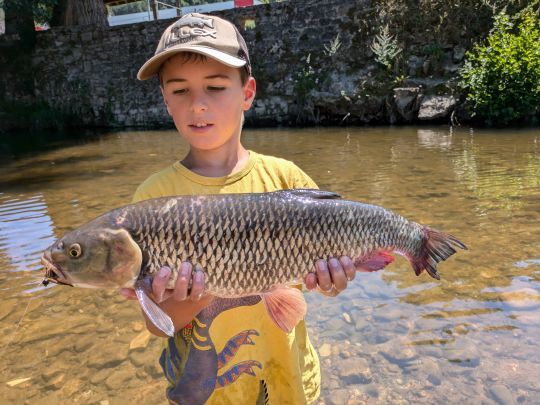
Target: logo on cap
189,27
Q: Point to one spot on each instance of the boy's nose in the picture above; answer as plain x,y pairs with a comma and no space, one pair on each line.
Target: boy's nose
198,103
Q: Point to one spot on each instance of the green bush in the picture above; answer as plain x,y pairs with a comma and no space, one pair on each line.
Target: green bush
502,76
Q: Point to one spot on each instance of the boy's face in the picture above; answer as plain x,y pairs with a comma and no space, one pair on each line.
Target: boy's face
206,100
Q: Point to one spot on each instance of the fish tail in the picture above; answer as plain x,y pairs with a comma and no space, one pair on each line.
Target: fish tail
436,247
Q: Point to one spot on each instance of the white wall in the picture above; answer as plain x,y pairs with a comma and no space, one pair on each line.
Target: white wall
171,13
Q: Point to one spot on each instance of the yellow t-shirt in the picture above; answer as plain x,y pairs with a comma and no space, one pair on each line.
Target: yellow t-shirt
232,352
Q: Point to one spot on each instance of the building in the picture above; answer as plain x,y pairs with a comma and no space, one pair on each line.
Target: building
153,12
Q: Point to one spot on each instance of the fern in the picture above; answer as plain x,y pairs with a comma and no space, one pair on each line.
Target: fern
385,47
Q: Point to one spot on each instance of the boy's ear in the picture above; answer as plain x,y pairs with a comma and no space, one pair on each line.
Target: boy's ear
249,93
165,100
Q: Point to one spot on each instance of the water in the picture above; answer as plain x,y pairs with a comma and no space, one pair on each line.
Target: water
391,337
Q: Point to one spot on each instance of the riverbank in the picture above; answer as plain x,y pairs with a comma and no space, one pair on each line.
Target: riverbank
330,63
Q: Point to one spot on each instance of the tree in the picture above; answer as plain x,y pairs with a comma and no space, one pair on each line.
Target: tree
502,74
19,18
79,12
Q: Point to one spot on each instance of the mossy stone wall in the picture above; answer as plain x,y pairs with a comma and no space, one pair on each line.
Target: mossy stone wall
88,74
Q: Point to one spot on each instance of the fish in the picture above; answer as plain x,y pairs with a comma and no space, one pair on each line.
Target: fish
247,244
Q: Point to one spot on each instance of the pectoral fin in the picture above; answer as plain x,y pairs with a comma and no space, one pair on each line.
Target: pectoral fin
286,307
158,317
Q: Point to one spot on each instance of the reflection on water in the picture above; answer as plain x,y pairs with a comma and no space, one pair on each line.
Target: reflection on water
391,337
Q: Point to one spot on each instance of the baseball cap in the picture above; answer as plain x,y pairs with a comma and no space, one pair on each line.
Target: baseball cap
205,34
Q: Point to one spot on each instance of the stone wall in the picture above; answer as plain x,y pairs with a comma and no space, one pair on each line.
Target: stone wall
87,75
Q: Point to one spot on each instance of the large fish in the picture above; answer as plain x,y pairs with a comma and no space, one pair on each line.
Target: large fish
246,244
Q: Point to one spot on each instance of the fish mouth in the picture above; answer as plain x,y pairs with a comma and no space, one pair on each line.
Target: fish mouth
53,274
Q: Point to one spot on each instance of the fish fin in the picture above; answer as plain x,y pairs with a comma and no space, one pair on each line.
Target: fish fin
377,261
314,193
286,307
158,317
436,247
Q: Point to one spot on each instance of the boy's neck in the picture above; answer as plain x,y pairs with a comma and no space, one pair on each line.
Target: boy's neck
218,162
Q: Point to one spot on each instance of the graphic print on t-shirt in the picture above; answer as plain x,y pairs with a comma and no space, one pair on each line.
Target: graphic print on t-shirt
205,369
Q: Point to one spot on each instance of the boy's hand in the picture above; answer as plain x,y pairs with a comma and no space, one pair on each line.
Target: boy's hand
181,291
331,277
193,300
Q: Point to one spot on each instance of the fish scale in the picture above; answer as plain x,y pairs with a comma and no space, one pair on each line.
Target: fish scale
305,229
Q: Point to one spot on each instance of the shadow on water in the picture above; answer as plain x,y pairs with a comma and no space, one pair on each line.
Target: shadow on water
19,144
391,337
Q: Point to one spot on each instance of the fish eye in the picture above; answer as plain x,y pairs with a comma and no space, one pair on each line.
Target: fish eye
75,250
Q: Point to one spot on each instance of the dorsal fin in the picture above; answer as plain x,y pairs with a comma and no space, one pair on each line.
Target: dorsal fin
312,193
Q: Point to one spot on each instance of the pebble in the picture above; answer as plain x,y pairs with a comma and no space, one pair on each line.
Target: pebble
354,371
501,394
332,384
57,381
461,329
154,370
140,357
386,314
140,341
118,379
433,371
335,324
108,356
345,354
17,381
85,328
464,356
361,323
100,375
396,353
325,350
141,374
83,344
392,368
49,373
335,350
347,317
338,397
137,326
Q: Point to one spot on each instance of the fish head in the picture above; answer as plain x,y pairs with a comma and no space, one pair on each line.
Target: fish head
93,256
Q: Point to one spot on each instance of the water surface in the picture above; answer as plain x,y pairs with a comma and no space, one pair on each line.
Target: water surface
392,337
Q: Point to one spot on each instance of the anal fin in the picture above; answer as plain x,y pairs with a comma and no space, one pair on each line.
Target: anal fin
374,262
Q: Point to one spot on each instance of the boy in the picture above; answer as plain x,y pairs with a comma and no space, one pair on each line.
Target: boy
224,350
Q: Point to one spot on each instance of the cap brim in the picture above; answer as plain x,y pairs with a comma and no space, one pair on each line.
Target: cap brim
152,65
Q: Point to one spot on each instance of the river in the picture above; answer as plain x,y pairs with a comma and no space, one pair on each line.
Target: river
391,337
